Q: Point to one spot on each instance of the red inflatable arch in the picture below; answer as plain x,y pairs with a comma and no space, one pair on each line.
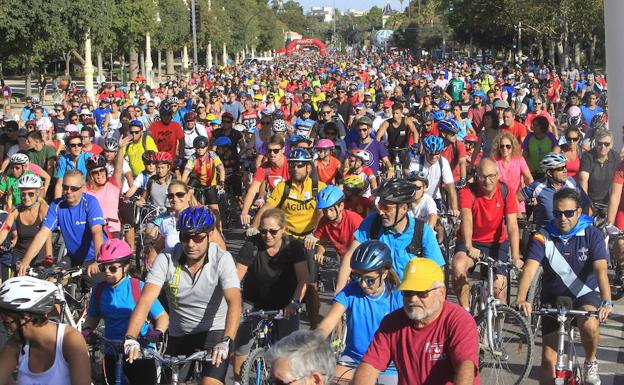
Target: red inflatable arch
297,45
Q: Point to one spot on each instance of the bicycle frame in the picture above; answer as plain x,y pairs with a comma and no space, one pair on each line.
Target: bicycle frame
175,363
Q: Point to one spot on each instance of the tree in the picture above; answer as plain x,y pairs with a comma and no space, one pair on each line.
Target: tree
173,30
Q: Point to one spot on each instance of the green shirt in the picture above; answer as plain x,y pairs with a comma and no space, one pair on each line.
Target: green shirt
8,188
455,88
40,158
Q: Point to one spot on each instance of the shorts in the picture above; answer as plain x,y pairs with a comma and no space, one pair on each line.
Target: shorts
126,212
190,343
550,324
403,157
313,267
497,251
244,336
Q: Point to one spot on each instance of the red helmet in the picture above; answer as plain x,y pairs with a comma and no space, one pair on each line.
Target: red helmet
164,157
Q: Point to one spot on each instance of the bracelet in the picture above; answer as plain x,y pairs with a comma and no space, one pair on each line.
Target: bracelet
606,303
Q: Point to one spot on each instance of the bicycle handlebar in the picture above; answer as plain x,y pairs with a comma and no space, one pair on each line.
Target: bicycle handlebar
47,272
264,314
564,311
202,355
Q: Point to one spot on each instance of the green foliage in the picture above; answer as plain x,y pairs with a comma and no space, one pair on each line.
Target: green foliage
173,30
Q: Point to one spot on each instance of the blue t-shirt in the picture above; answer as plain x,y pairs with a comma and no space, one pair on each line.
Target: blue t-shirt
99,114
545,193
398,242
65,163
75,223
377,151
116,306
588,114
364,315
236,109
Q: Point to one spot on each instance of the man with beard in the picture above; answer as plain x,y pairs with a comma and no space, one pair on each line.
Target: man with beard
430,340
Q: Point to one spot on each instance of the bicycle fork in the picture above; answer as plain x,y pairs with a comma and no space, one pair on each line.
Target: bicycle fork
564,374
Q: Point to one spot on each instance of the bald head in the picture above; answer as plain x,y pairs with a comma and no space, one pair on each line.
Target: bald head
487,175
487,166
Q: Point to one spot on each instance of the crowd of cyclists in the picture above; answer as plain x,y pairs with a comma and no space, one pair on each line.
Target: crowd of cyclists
361,158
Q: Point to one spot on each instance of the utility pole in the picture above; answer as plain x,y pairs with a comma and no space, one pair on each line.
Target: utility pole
194,31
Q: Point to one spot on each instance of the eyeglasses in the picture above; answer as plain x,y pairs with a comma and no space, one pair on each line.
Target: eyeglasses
149,162
572,139
419,294
98,171
29,194
562,168
75,105
178,194
273,232
297,164
135,132
112,268
505,146
489,176
568,213
67,187
274,150
277,381
603,144
418,187
326,112
75,145
538,104
363,129
369,281
58,110
196,237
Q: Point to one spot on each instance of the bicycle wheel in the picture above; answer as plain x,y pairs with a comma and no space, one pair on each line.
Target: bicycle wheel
256,369
508,362
338,337
533,297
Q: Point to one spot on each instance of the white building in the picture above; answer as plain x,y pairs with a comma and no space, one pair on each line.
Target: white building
354,12
324,14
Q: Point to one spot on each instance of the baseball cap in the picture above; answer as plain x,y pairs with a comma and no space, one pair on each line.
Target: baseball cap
420,274
365,120
501,104
22,132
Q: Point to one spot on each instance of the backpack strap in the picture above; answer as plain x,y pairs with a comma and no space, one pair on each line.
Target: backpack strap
287,186
136,289
415,247
437,187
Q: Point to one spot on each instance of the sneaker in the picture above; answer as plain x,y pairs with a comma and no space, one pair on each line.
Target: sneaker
590,373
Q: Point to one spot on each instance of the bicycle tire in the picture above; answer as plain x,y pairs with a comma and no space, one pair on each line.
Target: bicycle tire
249,373
338,337
514,365
534,298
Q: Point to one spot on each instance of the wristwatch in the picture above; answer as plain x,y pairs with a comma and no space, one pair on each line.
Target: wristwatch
606,303
296,302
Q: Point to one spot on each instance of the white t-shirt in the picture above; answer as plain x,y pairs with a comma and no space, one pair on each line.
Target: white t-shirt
125,169
189,137
424,208
434,174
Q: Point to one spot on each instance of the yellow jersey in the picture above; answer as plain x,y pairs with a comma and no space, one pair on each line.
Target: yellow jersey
299,206
134,153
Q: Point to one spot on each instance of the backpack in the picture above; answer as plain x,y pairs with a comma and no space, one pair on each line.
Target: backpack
287,191
415,246
504,191
136,291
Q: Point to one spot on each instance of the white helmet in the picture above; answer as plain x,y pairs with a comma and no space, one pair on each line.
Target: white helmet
279,125
27,294
553,160
29,181
240,127
19,158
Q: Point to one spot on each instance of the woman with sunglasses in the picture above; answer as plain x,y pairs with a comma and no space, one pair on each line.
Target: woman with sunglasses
273,268
573,151
112,120
23,223
512,167
370,296
113,301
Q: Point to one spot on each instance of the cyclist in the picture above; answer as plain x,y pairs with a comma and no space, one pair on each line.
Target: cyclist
42,351
207,173
40,153
423,207
139,184
167,133
512,167
114,300
573,255
407,237
454,150
75,158
156,189
446,334
355,166
369,297
353,187
273,270
19,165
483,230
231,166
192,130
538,143
140,143
375,150
327,165
598,168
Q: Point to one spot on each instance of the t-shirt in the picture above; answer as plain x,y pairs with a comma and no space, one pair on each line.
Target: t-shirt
359,205
75,223
270,281
424,208
545,192
601,175
435,175
588,114
277,174
375,149
204,169
66,163
518,130
538,149
428,355
511,173
116,305
40,158
366,175
108,197
455,88
134,153
8,186
299,207
488,225
166,223
339,234
364,315
327,173
167,136
449,153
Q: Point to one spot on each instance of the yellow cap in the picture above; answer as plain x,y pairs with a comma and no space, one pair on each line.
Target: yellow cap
420,274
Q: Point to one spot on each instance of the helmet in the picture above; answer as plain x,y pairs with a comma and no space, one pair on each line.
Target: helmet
425,116
19,158
240,127
324,143
266,112
27,294
35,100
433,144
149,156
575,121
165,109
95,161
444,106
371,256
362,155
114,250
279,125
328,197
574,111
414,176
163,157
448,126
295,139
396,191
196,220
200,142
222,141
111,144
353,182
299,155
278,114
599,120
29,181
190,116
552,160
438,115
136,123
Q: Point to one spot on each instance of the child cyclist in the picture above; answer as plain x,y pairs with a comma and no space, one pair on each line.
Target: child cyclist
114,300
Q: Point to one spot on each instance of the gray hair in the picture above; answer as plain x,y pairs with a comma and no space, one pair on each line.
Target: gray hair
307,352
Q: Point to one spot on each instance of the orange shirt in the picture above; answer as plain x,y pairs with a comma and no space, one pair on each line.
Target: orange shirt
327,173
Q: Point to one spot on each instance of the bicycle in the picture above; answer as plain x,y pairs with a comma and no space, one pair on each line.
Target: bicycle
566,373
143,215
505,338
612,234
256,369
98,367
338,337
448,224
398,165
176,363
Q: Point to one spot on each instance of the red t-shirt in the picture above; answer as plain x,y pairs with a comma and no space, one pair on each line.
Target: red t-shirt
327,174
359,205
449,154
518,130
95,149
167,136
434,131
339,234
488,213
428,355
276,174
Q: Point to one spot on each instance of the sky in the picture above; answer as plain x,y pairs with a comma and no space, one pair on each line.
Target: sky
360,5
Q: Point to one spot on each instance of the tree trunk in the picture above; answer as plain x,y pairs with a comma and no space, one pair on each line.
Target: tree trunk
159,66
67,57
577,54
540,50
28,69
134,63
592,51
560,52
122,71
100,64
169,63
551,51
142,62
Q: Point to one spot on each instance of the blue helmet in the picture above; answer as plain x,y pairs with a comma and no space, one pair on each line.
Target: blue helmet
448,126
196,220
136,123
295,139
328,197
438,115
433,144
371,256
222,141
299,155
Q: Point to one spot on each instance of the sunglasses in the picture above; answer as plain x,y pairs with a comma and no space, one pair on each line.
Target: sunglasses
363,129
603,144
29,194
330,133
74,145
149,162
326,112
179,194
67,187
562,168
369,281
274,150
297,164
419,294
570,139
568,213
135,132
196,237
112,268
505,146
267,231
98,171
